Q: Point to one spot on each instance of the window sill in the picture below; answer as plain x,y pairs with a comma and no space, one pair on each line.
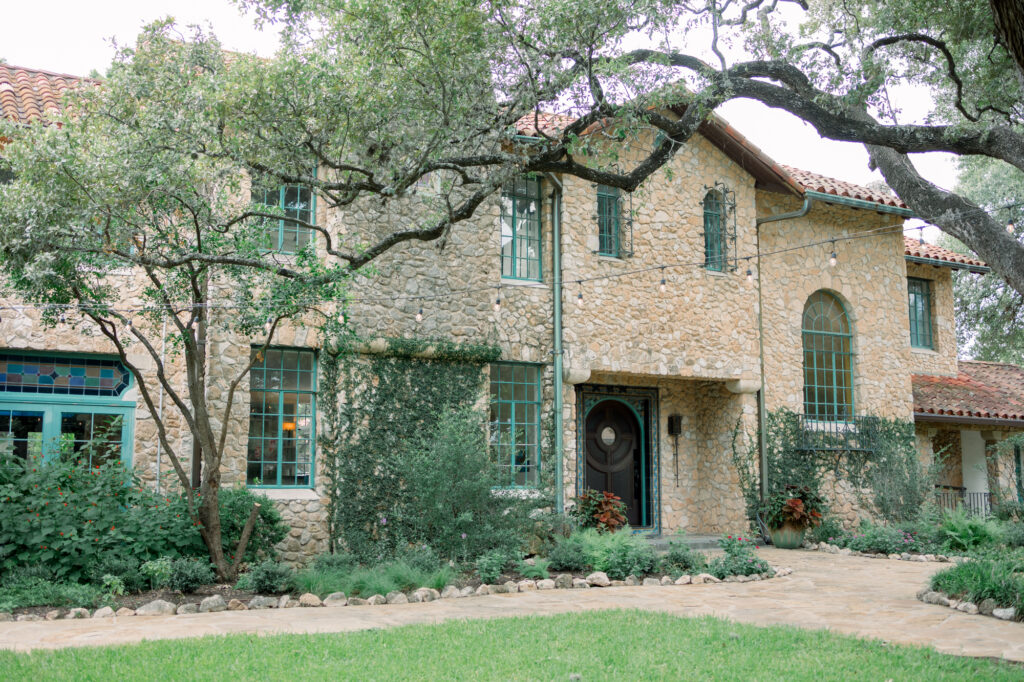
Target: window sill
716,273
610,258
286,493
521,492
923,351
522,283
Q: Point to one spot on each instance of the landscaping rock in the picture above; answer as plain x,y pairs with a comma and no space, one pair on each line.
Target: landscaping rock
124,611
429,593
701,578
580,584
781,572
261,602
967,607
683,580
563,581
598,579
283,601
466,591
483,590
413,598
731,579
937,598
905,556
1005,614
894,557
632,580
53,614
526,585
651,582
356,601
743,578
450,592
501,588
987,606
396,597
923,591
377,600
6,617
666,580
185,608
929,557
292,603
511,586
546,584
159,607
28,617
941,557
845,551
309,599
920,557
618,583
215,603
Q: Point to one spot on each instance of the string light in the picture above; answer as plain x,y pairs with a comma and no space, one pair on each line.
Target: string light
750,273
662,287
1010,226
920,236
833,258
579,296
419,315
497,301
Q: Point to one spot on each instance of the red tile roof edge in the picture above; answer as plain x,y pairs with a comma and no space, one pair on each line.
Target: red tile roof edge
981,390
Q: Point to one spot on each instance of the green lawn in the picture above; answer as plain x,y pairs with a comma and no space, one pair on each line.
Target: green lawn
623,645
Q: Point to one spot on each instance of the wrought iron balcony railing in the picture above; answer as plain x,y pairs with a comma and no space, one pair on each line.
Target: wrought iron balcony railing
953,497
848,433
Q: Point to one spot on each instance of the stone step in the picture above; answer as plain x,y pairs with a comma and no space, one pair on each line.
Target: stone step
700,543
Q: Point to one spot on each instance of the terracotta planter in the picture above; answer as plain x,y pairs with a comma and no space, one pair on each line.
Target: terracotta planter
787,537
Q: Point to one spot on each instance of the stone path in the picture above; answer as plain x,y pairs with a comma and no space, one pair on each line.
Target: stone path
854,595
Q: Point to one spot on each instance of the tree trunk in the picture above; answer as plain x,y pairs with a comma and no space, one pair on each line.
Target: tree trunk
1009,20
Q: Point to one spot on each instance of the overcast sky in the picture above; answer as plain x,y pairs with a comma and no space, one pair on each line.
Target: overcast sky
74,37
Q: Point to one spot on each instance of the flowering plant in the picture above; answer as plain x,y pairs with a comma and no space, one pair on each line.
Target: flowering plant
602,510
794,505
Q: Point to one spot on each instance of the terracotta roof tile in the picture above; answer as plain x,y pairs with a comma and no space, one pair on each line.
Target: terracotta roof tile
913,247
982,390
31,95
533,124
840,188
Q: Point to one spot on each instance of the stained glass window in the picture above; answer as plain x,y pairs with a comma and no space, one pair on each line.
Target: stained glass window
52,375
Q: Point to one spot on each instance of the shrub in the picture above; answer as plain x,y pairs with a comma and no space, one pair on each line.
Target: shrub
158,572
963,531
188,575
604,511
125,568
827,531
490,565
568,554
883,539
334,562
1013,534
271,577
378,579
618,554
980,579
235,506
738,559
538,570
21,592
681,559
420,557
1009,510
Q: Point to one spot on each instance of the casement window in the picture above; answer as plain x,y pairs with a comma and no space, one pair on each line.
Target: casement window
828,359
520,230
282,419
609,220
714,231
515,422
298,203
920,294
53,404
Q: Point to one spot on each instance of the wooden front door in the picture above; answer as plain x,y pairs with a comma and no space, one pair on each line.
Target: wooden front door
614,445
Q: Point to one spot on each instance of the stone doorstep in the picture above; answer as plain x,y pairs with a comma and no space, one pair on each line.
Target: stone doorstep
312,601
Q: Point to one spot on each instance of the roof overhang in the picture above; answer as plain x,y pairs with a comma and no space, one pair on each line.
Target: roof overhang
979,269
859,203
965,419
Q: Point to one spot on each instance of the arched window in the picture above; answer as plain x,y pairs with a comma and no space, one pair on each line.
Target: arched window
714,231
828,359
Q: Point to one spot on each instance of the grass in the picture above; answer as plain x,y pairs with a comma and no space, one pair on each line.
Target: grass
634,645
366,582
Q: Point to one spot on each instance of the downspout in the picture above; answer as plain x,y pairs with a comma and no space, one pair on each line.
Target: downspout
556,298
762,410
160,409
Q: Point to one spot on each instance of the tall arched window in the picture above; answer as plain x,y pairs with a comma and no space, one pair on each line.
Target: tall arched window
714,231
828,359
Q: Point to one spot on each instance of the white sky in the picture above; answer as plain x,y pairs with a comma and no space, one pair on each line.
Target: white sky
74,37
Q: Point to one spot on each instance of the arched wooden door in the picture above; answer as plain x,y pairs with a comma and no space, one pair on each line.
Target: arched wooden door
614,449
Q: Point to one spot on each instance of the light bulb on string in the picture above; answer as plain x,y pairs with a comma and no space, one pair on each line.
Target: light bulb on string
579,296
663,286
497,301
750,273
920,236
1010,226
419,315
833,258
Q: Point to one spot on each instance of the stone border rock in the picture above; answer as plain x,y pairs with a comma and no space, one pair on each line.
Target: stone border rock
987,607
904,556
564,581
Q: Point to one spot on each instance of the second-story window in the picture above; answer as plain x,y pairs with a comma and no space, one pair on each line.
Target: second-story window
714,231
609,218
920,293
520,230
297,202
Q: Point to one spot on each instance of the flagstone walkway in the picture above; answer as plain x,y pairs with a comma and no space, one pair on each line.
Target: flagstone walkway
854,595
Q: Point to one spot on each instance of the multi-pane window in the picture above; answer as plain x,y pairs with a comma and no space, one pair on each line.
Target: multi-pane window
520,229
515,421
297,202
714,231
609,216
920,292
828,359
77,430
282,410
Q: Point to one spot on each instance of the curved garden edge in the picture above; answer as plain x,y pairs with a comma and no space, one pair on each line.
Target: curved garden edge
903,556
216,603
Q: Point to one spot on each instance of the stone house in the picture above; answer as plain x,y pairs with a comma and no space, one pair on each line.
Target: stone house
639,335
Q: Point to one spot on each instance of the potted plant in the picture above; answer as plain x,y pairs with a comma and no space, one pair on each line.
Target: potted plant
789,512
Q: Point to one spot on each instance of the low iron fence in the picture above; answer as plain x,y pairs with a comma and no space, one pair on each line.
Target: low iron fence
954,497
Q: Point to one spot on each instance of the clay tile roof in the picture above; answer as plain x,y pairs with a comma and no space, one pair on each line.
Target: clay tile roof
840,188
31,95
915,249
982,390
532,125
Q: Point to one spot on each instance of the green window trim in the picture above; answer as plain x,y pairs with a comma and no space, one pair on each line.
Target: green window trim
827,359
297,201
281,451
521,243
609,221
515,433
714,231
919,292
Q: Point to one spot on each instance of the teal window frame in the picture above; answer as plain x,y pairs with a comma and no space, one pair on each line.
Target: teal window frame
285,226
919,298
515,421
828,359
261,418
53,407
714,231
609,221
522,244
